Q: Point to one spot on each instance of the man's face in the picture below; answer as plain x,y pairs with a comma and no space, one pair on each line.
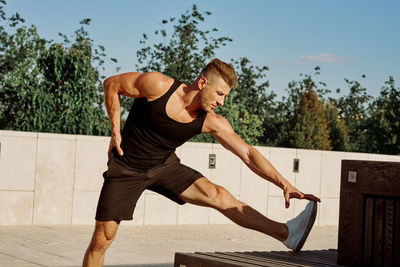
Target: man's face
213,93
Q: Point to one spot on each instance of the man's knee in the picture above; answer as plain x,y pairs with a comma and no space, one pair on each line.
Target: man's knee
103,236
100,243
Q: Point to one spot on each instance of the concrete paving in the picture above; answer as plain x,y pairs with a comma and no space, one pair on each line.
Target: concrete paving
148,246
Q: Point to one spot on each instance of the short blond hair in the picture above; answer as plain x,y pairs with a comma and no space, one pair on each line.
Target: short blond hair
221,69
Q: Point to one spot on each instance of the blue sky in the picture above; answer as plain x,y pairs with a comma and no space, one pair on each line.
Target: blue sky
345,38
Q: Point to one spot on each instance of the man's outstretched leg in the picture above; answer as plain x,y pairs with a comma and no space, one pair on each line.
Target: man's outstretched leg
205,193
103,235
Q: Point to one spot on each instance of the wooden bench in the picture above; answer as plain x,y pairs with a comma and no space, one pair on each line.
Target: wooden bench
369,215
369,226
250,259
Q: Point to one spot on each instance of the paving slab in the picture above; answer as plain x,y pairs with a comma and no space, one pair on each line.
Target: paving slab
147,246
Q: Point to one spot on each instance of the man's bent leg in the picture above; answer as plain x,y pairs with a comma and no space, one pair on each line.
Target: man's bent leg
104,234
204,193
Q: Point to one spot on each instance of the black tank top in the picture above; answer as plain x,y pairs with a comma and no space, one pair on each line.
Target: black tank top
150,136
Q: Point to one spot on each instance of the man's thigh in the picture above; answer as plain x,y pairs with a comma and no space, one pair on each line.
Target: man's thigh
170,180
204,193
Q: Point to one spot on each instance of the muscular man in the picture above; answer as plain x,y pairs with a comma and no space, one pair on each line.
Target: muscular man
165,114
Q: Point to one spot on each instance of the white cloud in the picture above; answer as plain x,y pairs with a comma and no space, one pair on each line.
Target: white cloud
326,58
286,62
316,58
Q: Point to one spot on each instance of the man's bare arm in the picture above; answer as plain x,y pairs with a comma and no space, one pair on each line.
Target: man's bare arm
132,84
223,132
220,128
113,87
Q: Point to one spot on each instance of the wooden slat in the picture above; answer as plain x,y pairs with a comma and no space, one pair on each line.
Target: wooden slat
253,258
396,235
280,256
368,230
197,260
325,257
378,233
388,246
237,260
262,259
322,258
257,261
307,258
350,228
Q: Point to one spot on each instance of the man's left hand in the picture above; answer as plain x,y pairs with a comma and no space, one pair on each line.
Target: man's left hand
292,192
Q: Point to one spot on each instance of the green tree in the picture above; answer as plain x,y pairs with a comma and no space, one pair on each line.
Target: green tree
304,123
47,86
20,48
338,131
310,129
384,124
275,125
353,109
184,49
73,84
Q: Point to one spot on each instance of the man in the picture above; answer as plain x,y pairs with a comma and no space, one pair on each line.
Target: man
166,113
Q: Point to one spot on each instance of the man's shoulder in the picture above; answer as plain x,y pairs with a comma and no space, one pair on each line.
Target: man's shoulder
154,84
154,79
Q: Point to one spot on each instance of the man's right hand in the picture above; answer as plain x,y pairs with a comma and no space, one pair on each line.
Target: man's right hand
115,142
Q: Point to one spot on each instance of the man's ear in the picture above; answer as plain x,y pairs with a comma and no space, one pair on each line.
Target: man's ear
202,82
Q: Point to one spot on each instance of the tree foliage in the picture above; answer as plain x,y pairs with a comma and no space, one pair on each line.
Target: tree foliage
338,130
20,49
74,85
307,126
47,86
353,109
184,49
307,118
384,124
311,127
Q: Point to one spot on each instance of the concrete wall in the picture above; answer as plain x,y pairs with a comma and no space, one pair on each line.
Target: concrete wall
48,179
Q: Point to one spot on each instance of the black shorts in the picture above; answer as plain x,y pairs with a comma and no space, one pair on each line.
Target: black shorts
124,184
